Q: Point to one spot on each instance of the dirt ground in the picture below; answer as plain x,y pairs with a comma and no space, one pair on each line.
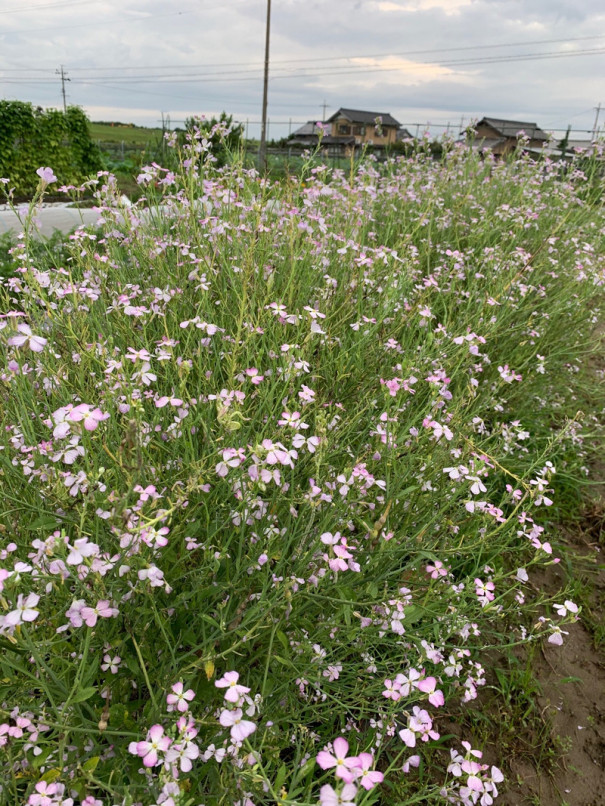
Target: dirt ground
572,702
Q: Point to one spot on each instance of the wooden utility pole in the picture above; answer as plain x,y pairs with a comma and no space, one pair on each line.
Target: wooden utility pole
595,128
262,149
64,78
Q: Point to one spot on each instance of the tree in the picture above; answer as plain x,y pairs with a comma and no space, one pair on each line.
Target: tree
225,137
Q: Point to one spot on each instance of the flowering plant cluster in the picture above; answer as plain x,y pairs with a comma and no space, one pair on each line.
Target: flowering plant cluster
280,465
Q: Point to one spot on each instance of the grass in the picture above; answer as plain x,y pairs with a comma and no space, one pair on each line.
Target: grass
276,458
129,134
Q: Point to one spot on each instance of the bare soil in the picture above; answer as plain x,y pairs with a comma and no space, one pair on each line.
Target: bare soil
568,767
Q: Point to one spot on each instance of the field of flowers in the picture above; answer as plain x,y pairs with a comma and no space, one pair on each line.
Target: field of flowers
278,464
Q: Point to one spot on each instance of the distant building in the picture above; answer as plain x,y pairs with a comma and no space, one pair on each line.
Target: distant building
349,129
367,128
308,137
404,134
502,136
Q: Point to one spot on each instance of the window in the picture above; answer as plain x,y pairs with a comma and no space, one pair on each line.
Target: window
344,129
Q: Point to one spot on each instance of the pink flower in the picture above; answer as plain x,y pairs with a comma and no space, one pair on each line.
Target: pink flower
306,395
74,614
111,664
367,777
428,685
90,417
184,753
81,549
162,401
234,690
407,684
343,764
240,728
103,609
44,794
24,612
412,761
392,690
437,570
46,175
346,797
35,343
179,699
484,591
418,723
150,749
555,638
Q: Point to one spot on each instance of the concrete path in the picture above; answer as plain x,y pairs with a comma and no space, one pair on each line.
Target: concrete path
64,219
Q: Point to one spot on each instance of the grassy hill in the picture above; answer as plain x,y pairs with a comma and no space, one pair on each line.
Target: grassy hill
124,132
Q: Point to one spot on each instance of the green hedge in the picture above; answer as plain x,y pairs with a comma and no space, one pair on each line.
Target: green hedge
31,137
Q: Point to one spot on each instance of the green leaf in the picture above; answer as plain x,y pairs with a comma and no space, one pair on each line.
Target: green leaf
280,778
413,613
43,522
84,694
51,776
91,764
284,662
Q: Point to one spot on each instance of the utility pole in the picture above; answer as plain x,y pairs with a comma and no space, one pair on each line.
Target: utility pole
595,128
64,78
323,106
262,149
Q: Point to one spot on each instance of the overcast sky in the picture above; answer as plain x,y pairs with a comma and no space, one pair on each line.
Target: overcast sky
421,60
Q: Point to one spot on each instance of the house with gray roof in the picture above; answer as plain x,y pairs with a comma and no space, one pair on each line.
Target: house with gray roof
349,129
368,128
501,136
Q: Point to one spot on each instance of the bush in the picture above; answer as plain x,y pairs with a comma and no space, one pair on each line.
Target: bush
31,136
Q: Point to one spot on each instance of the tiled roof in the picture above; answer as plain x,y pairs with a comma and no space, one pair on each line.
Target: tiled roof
308,128
360,116
510,128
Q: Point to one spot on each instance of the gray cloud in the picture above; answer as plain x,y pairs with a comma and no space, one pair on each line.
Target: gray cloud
175,43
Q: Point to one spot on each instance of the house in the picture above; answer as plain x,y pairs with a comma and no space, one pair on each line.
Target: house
368,128
307,136
404,134
349,129
501,136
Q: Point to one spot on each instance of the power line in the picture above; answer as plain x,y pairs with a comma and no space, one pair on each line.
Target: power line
235,75
314,59
49,5
124,21
232,76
